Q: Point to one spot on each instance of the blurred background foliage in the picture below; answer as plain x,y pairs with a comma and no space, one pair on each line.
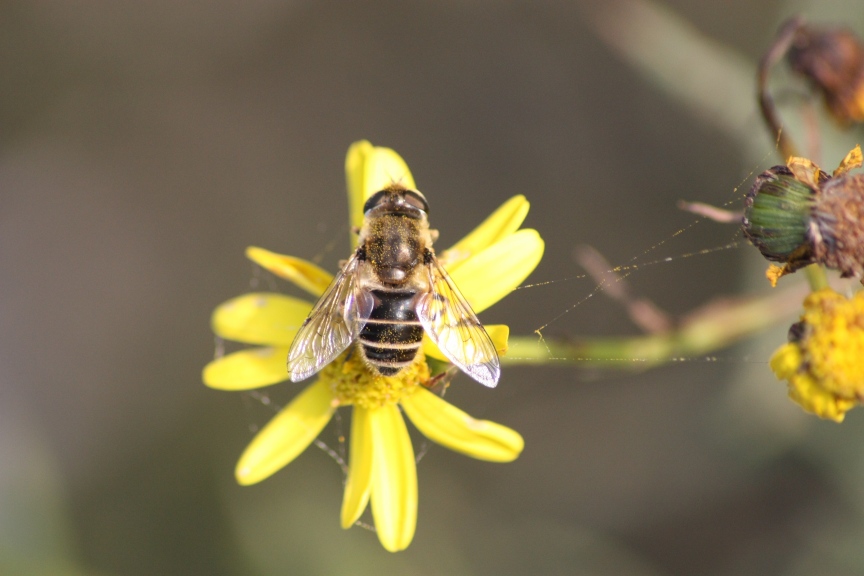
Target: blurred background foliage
143,146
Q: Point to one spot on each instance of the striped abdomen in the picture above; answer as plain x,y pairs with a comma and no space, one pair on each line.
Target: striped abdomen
392,335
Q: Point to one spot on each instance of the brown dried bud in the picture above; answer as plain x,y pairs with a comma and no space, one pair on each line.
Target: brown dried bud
798,215
838,225
833,60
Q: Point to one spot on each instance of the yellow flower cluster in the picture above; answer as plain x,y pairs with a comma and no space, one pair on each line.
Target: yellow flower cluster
824,361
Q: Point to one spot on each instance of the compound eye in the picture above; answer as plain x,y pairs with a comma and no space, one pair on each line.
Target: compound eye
374,200
417,200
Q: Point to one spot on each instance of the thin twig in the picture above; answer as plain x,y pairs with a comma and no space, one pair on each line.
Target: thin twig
766,102
643,312
711,212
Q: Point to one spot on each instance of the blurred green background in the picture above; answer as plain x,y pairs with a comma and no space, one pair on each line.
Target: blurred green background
144,145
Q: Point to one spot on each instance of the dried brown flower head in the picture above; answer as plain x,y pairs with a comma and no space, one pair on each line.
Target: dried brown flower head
798,214
832,59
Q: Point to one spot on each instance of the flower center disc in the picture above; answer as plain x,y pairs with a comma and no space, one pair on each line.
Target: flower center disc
353,382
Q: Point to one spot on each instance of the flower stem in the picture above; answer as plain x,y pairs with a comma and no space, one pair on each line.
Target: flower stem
816,277
714,326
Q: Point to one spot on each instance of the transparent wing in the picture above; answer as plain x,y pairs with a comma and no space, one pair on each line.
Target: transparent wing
332,325
449,321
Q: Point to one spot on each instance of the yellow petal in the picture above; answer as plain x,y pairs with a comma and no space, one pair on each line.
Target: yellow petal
359,482
493,273
383,168
260,318
355,175
369,169
394,479
304,274
498,332
247,369
805,171
500,224
445,424
287,434
774,273
854,159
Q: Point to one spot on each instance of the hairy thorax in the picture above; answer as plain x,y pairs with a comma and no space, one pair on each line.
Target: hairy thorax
394,247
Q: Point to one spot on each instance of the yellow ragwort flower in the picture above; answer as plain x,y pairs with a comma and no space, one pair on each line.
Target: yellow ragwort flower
486,265
824,360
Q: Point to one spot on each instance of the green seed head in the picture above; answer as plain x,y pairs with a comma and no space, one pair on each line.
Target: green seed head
777,217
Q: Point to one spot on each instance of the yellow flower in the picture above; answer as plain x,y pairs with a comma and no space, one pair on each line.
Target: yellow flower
486,265
824,360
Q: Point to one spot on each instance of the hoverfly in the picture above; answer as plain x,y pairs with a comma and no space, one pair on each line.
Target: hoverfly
389,293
